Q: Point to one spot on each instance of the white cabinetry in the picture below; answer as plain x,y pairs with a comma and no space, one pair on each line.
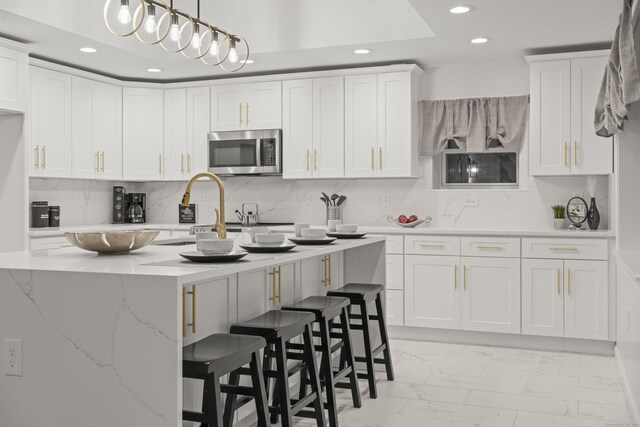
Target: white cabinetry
381,125
563,96
198,117
263,290
13,85
50,118
313,128
143,148
97,130
563,296
246,106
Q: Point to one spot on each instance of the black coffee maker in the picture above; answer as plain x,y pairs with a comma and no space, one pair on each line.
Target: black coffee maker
136,208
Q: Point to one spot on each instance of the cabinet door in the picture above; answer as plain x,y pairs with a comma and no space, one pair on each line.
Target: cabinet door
198,117
228,107
550,127
360,126
328,127
394,307
585,301
85,154
13,85
263,105
281,284
208,307
396,139
51,122
253,294
491,294
311,274
330,272
591,154
107,130
175,134
432,291
297,128
542,297
395,272
142,135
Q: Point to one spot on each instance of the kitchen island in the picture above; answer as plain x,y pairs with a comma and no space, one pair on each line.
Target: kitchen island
102,336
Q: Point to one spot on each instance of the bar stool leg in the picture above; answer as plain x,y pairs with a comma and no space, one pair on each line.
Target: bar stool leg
314,379
230,404
282,384
368,354
347,355
212,403
257,379
384,338
327,372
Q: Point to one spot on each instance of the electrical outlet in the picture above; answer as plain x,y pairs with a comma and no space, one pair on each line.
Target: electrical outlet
13,357
471,201
383,198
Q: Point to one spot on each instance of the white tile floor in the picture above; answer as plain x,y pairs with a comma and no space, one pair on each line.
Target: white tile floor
452,385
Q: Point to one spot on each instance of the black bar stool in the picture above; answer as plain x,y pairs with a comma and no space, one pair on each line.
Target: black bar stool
326,309
216,356
278,328
361,294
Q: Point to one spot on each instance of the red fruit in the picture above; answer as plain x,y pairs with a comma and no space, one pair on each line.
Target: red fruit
413,218
403,219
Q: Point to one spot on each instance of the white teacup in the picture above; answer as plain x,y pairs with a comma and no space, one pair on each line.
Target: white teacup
331,224
298,227
258,230
313,233
269,239
215,246
347,228
208,235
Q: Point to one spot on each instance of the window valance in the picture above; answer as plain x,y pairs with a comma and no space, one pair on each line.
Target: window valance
473,123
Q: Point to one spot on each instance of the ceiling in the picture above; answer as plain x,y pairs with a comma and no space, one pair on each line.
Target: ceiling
303,34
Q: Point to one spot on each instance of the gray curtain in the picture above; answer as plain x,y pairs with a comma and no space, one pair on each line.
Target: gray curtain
473,123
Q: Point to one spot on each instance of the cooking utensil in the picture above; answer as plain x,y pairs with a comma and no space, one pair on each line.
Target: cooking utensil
326,196
250,217
326,202
341,200
334,197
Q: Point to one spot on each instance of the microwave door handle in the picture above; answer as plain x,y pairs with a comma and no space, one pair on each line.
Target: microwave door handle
258,152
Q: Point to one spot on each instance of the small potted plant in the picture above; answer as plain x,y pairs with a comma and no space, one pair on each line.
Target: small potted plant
558,216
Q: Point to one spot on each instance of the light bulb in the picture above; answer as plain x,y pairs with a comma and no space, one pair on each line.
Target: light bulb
124,16
214,48
195,39
174,32
150,23
233,53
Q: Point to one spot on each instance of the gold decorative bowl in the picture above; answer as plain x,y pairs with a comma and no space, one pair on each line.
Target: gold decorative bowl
112,242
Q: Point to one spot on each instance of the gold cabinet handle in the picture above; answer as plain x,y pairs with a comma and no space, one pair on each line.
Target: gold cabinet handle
247,113
569,282
499,248
97,161
324,268
160,163
565,154
575,153
279,284
102,155
558,281
44,157
308,154
37,157
315,160
373,156
192,292
431,245
455,276
465,278
329,275
564,249
188,163
181,163
380,160
184,311
241,114
273,298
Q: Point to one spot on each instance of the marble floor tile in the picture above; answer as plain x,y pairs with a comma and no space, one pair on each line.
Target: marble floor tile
610,414
422,392
532,375
519,402
600,383
473,382
581,394
535,419
470,414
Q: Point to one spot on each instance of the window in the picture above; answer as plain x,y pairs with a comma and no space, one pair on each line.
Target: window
496,167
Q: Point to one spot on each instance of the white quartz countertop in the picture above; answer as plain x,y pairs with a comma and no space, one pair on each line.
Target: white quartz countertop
163,260
631,261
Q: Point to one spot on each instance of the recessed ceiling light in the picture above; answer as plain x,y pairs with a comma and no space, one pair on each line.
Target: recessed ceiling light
87,50
479,40
249,61
154,70
459,9
362,51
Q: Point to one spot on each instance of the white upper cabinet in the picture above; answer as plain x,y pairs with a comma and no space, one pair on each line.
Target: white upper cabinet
198,126
313,128
97,130
143,150
13,85
246,106
176,152
562,135
50,118
381,117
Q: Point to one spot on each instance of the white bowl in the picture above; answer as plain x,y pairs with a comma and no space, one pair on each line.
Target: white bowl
209,235
313,233
258,230
272,239
215,246
331,224
298,227
347,228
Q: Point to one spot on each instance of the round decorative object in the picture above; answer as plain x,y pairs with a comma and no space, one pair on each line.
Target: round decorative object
182,28
112,242
217,38
119,20
233,57
151,32
577,212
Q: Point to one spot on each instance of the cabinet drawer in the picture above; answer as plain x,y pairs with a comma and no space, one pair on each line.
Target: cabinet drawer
395,272
491,246
48,243
395,245
394,307
432,245
565,248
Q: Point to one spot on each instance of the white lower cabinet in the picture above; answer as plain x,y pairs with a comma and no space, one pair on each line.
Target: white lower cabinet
491,294
432,291
394,307
542,297
263,290
330,272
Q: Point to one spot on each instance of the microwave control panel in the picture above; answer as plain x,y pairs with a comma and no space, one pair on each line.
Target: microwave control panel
268,152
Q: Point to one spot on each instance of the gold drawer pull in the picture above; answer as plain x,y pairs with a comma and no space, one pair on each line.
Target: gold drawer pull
188,163
380,161
431,245
373,155
102,156
193,309
44,157
181,163
37,157
279,285
241,114
455,276
184,311
97,161
564,249
499,248
308,154
315,160
273,298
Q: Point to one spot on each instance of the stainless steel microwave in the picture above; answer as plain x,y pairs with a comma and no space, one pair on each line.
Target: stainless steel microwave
250,152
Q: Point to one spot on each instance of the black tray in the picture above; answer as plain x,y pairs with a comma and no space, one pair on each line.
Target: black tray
254,247
197,256
346,235
323,241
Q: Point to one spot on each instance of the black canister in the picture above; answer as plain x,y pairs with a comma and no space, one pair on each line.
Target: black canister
39,214
54,216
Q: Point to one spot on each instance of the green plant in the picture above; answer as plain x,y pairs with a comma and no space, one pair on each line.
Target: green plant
558,211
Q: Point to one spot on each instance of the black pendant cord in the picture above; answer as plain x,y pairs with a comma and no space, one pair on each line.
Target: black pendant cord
198,9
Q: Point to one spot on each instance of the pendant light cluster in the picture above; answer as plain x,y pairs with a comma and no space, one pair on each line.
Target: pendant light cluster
156,23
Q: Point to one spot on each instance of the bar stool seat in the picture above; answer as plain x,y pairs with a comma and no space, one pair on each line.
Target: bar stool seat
275,324
358,291
327,307
219,353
